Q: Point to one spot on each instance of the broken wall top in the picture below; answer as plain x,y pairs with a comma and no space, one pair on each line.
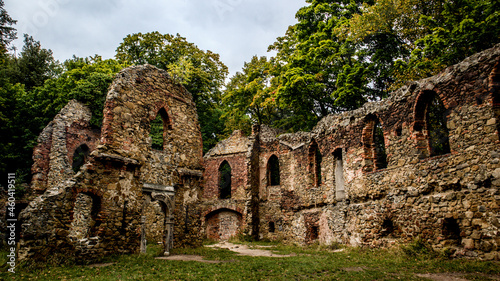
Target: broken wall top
133,101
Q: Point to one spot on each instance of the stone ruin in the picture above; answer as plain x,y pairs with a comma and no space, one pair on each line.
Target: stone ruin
424,162
126,193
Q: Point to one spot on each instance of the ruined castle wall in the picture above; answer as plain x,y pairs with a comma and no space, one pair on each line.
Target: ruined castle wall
235,211
449,200
114,198
53,155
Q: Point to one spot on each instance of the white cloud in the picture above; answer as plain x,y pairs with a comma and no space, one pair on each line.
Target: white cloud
235,29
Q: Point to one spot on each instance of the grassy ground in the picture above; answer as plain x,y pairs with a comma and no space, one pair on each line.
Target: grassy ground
310,263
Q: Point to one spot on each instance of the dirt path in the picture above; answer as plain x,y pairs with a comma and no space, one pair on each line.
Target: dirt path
188,258
244,250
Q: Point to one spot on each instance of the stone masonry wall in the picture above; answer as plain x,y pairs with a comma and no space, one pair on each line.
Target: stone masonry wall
53,155
449,200
105,207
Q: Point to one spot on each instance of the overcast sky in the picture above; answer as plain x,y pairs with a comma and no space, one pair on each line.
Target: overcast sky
235,29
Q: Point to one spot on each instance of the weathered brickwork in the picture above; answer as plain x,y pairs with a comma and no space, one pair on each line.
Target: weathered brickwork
381,174
425,162
53,155
126,193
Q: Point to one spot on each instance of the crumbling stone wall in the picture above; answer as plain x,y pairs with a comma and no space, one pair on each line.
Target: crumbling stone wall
53,155
347,182
103,209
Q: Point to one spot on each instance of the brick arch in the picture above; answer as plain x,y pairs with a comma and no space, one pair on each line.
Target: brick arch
374,149
273,170
165,112
424,133
223,223
314,167
420,107
225,180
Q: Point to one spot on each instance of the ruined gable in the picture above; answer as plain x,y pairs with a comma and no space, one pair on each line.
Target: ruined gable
127,190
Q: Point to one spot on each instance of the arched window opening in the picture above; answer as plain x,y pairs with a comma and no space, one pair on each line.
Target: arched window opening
273,171
158,131
339,174
224,181
80,157
315,159
374,145
379,146
436,126
430,126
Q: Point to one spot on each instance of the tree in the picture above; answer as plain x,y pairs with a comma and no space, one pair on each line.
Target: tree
427,36
84,79
247,99
7,32
201,72
34,65
24,113
319,72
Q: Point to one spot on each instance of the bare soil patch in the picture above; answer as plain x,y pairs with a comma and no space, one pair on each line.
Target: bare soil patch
101,264
189,258
244,250
455,276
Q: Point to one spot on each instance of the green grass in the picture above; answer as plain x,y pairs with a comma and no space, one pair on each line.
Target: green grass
313,262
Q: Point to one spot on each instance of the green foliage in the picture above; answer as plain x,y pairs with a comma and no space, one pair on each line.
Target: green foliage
34,65
86,80
306,263
17,131
427,36
418,248
7,32
248,98
25,113
201,72
341,54
156,133
317,72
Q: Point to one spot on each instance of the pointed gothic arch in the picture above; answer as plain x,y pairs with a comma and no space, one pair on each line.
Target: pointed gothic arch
374,144
315,159
159,127
273,171
430,125
225,180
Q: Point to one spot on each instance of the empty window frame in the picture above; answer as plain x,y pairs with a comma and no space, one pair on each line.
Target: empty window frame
158,131
273,171
374,144
224,180
315,159
431,125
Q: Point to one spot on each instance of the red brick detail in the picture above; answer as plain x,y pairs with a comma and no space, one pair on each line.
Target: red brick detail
239,174
78,134
223,224
41,165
